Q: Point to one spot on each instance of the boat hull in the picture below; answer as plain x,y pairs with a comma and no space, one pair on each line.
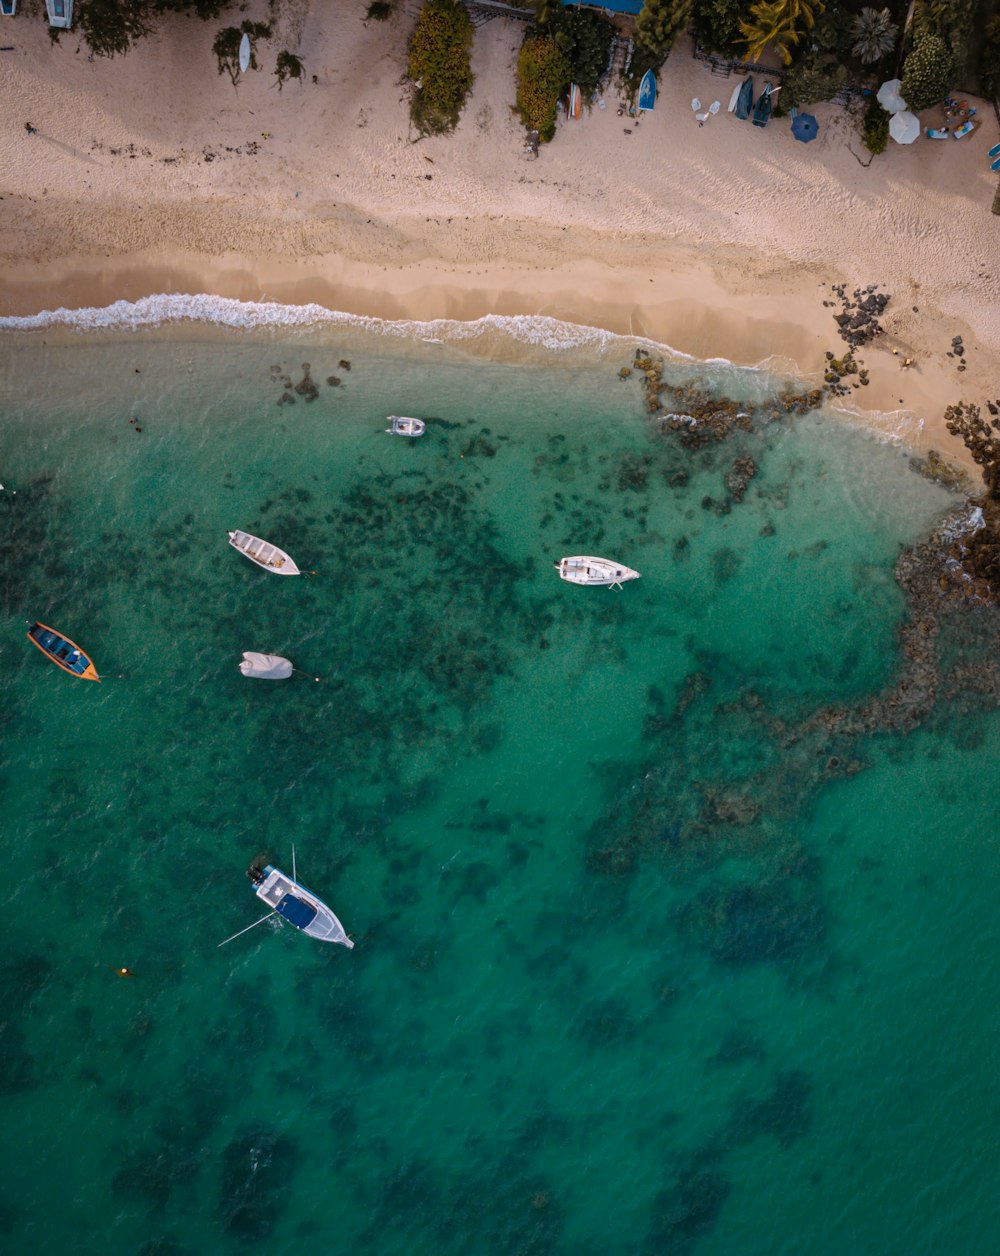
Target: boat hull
266,666
63,652
60,13
647,91
402,425
587,570
305,912
263,554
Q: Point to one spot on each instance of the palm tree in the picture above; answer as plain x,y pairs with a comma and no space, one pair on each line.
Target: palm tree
874,34
781,23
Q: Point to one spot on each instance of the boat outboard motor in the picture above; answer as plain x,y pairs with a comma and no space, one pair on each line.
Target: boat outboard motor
265,666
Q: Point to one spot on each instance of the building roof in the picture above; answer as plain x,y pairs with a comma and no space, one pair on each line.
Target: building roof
611,6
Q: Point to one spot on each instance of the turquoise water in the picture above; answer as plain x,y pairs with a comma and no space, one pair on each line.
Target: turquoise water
645,961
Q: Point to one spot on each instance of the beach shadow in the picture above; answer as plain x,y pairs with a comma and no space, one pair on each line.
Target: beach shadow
68,149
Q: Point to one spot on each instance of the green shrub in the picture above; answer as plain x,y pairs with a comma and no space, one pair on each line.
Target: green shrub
816,77
875,127
439,64
542,73
927,73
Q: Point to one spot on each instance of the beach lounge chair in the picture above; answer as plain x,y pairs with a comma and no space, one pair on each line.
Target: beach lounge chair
695,105
762,109
994,151
938,133
965,129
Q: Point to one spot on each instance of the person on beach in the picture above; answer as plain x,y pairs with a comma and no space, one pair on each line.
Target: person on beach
32,130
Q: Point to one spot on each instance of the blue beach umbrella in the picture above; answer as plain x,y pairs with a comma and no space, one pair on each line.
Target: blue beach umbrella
805,127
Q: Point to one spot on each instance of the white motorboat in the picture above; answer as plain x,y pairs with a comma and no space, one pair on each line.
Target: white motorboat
264,554
299,906
290,900
583,569
400,425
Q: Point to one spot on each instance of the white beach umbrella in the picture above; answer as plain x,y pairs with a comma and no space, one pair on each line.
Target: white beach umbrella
889,98
904,127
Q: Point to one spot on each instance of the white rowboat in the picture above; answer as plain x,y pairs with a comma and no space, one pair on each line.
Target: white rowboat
264,554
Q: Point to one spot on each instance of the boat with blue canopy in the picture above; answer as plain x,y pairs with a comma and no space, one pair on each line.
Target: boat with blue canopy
63,652
288,898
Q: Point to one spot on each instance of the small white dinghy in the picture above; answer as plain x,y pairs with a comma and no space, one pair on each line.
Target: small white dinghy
265,666
400,425
264,554
582,569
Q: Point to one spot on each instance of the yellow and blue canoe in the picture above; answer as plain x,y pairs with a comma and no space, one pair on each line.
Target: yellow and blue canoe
63,652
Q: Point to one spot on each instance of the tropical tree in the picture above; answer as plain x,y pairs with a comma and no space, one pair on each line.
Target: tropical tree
657,28
585,39
715,24
780,23
927,73
990,65
544,11
875,35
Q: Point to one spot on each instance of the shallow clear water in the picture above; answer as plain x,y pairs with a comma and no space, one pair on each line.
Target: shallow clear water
635,970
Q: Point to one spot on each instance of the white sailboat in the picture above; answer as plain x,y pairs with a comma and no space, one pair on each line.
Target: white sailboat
584,569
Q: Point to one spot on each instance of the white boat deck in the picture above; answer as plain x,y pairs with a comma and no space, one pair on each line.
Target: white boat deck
263,553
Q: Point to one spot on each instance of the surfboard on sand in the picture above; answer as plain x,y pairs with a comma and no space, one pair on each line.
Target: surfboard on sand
575,101
244,54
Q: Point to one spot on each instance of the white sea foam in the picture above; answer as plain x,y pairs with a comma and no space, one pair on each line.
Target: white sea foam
154,311
529,330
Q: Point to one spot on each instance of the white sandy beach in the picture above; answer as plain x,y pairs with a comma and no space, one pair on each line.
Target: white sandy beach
153,173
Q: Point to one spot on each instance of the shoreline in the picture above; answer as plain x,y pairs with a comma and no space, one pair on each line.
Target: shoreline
688,312
720,242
